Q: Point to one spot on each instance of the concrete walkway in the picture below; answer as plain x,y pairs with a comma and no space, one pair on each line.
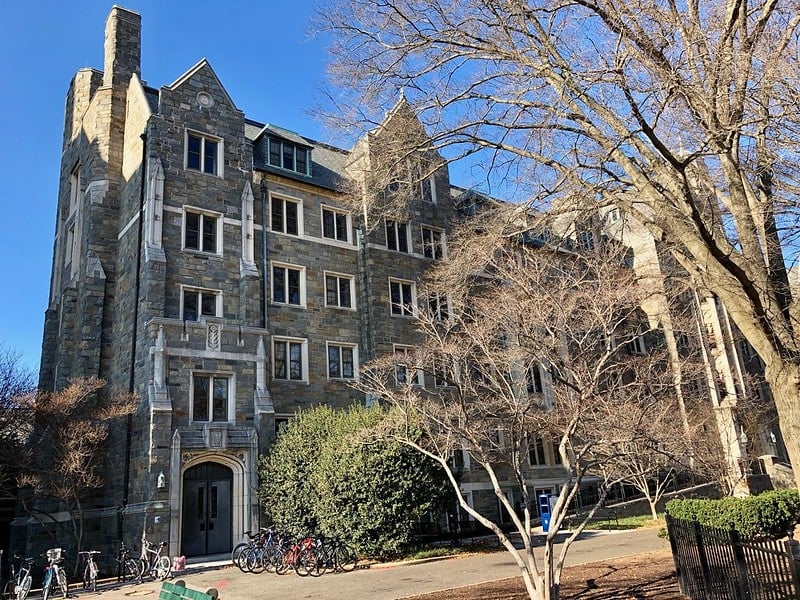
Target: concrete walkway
384,581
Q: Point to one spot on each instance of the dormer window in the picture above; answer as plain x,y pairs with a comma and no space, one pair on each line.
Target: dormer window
287,155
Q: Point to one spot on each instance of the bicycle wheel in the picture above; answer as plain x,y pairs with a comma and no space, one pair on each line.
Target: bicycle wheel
130,569
237,550
344,558
241,559
47,584
61,577
305,562
254,562
94,576
163,568
24,588
144,569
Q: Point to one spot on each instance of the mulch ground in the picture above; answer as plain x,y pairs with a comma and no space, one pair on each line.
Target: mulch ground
649,576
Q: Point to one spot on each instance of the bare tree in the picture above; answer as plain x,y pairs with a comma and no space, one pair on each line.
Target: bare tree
16,395
65,450
685,115
537,346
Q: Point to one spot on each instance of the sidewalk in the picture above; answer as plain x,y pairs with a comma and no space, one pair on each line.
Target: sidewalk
386,581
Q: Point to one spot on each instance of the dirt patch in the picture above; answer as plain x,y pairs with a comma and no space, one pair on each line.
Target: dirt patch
649,576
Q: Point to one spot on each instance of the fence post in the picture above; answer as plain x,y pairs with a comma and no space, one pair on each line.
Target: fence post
742,591
793,550
671,536
701,552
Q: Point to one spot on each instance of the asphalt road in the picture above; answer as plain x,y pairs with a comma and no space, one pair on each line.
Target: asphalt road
383,581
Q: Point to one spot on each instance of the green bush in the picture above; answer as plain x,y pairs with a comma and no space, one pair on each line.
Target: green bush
326,473
770,514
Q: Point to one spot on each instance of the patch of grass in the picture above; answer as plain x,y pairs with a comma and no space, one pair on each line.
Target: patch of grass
432,552
624,523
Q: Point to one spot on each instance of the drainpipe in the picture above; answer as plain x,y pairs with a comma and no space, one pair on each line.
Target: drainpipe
264,261
134,334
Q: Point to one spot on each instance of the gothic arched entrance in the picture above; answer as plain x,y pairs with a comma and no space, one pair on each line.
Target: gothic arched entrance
206,516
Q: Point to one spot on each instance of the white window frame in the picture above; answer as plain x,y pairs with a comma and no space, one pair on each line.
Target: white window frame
219,158
436,311
543,460
285,199
287,266
339,276
434,231
340,346
303,357
439,367
201,290
637,345
202,213
397,226
413,286
230,410
74,188
405,349
348,224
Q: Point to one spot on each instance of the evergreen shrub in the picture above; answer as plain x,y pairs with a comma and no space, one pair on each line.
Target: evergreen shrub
332,472
770,514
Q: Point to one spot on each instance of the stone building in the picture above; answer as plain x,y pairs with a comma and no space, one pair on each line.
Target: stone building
204,261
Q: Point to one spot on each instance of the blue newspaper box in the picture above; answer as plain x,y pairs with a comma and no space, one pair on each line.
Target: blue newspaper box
546,504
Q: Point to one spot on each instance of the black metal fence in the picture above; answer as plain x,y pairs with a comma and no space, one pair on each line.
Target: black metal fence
715,564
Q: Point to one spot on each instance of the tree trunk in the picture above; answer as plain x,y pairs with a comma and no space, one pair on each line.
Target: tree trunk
783,377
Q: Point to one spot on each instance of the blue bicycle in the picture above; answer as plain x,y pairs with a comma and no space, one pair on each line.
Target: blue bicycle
54,575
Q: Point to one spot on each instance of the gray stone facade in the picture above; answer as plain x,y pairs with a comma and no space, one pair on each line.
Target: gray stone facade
164,280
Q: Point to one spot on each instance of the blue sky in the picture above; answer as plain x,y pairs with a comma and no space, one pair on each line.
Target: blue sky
260,50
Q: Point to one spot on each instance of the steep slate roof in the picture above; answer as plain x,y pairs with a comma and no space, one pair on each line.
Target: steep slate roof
327,162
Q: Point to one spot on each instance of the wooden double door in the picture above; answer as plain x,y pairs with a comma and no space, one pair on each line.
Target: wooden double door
207,515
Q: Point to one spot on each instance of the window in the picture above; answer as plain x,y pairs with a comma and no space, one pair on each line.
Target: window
443,375
201,231
403,357
286,155
202,153
289,359
586,240
439,307
402,297
637,346
70,247
342,359
432,243
74,188
397,237
426,188
285,216
198,303
210,395
335,225
281,423
536,454
339,290
533,380
288,284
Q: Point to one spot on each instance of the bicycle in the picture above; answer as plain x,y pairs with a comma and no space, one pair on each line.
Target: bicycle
153,563
127,566
54,574
89,570
19,586
334,555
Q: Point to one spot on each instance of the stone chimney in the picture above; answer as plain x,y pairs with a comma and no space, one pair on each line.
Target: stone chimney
123,47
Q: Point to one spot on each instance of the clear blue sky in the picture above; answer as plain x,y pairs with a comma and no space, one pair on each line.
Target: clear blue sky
259,49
